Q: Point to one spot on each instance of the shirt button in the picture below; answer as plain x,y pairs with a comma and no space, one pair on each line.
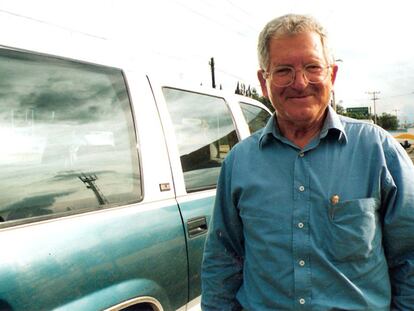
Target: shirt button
302,301
300,225
301,188
301,263
301,154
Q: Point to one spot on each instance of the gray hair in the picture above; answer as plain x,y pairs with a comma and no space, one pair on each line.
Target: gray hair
286,25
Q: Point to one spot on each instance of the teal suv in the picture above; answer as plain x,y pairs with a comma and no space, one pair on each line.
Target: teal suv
107,182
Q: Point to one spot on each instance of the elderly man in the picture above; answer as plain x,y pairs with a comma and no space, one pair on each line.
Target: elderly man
315,211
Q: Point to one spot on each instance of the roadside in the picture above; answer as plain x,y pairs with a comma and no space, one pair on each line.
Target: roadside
410,152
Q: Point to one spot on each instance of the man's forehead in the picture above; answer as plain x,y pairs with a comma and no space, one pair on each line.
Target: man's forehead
301,46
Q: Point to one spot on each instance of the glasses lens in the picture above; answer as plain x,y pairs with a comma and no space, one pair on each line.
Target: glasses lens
283,76
316,73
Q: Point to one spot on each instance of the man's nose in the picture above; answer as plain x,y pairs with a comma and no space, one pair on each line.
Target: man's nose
299,82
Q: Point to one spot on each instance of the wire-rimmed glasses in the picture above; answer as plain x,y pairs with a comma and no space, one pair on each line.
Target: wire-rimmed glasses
283,76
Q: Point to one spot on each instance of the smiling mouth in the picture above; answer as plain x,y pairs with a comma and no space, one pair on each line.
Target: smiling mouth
299,96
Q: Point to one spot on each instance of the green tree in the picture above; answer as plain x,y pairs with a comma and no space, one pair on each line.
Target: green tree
361,116
265,101
237,91
251,92
340,110
388,121
356,115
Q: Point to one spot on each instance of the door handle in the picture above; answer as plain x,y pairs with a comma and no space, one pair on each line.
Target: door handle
197,226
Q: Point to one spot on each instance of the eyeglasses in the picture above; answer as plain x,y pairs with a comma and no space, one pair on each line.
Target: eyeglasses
283,76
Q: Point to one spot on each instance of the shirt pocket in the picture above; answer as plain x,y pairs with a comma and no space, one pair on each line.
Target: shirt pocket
352,229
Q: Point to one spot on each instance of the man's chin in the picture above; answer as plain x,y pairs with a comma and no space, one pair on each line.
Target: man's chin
304,118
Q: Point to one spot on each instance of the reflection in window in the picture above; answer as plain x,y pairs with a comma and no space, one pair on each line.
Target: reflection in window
256,117
67,137
205,133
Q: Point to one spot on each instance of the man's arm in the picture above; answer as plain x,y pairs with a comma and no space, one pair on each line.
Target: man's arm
399,227
222,270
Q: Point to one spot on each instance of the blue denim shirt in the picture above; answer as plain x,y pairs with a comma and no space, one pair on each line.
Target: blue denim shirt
328,227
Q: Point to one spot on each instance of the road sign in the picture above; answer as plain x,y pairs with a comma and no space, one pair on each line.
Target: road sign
358,110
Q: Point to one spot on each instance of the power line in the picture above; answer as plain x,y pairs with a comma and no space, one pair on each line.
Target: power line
219,23
242,22
50,24
399,95
239,8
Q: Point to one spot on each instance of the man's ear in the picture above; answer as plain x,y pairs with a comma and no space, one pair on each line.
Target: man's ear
262,81
333,74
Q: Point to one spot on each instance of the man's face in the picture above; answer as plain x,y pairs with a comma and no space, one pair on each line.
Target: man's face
300,103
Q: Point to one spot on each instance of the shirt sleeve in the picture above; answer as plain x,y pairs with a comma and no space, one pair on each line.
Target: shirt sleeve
222,268
398,230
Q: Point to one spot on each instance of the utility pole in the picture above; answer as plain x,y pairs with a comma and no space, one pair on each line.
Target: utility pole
396,115
89,181
374,98
213,79
396,112
333,101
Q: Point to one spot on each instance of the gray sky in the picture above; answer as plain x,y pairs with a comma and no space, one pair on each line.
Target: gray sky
176,39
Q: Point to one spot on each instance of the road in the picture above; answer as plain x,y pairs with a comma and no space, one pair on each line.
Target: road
410,152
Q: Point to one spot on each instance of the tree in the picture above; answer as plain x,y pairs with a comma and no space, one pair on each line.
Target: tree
340,110
388,121
355,115
265,101
251,92
237,91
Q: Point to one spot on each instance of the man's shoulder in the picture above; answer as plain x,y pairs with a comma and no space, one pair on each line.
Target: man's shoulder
361,127
247,145
369,134
252,141
364,122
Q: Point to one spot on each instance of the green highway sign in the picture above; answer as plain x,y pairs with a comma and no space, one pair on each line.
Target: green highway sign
358,110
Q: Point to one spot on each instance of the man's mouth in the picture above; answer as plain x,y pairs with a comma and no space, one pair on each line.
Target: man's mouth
299,96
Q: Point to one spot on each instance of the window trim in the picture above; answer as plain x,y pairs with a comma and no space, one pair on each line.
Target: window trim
174,143
241,103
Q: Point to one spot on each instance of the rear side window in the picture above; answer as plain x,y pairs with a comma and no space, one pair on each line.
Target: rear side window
67,138
205,132
255,116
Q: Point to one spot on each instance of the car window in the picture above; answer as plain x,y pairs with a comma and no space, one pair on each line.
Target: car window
255,116
205,134
67,137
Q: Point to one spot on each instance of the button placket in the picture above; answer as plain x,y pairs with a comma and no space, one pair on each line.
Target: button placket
300,241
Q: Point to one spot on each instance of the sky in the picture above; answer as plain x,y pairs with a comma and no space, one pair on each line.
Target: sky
175,39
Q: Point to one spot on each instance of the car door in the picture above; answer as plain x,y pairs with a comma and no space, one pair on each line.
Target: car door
88,216
200,131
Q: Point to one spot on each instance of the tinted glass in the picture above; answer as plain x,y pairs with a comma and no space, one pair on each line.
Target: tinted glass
256,117
205,133
67,137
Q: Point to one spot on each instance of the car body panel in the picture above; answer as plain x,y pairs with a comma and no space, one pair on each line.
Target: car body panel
61,260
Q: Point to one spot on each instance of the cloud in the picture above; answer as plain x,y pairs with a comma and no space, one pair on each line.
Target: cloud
33,206
70,175
50,88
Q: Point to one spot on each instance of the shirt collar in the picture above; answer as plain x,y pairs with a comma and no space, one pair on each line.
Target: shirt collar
332,124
